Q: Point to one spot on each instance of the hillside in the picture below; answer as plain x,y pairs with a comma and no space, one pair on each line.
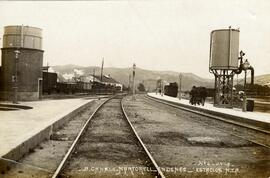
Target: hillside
260,80
148,77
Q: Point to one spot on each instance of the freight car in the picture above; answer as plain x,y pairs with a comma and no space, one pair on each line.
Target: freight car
83,87
50,85
101,87
49,82
66,87
171,89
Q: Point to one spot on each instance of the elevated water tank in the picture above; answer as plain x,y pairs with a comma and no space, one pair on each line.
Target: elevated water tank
22,36
26,68
224,49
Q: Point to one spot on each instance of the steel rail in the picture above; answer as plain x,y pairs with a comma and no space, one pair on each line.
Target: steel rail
217,118
258,143
64,160
160,174
211,116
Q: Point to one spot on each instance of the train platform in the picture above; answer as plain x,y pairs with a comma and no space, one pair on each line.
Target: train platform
25,125
252,118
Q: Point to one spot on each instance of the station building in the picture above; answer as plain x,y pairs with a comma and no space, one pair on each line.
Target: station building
22,59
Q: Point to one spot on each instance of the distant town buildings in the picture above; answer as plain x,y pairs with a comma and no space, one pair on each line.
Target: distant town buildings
107,80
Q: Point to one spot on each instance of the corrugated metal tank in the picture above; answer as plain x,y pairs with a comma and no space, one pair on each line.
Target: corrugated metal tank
29,63
224,49
22,36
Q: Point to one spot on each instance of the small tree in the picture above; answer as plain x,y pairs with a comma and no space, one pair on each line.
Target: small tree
141,87
125,88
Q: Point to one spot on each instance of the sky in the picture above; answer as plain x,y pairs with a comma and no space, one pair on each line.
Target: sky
156,35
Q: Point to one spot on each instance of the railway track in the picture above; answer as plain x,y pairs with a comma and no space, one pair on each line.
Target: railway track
182,139
255,135
97,145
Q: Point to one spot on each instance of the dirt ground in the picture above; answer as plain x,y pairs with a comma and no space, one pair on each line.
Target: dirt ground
109,148
183,147
44,159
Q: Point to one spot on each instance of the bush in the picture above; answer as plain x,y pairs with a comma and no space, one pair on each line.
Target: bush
141,87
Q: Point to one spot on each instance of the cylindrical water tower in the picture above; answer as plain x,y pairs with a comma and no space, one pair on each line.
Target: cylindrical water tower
22,72
224,50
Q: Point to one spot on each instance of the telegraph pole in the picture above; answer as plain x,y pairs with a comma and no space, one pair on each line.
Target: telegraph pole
133,91
101,75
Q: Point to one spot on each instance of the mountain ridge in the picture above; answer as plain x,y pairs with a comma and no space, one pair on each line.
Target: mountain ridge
145,76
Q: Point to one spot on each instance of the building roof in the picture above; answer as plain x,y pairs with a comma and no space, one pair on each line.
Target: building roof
45,68
106,79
